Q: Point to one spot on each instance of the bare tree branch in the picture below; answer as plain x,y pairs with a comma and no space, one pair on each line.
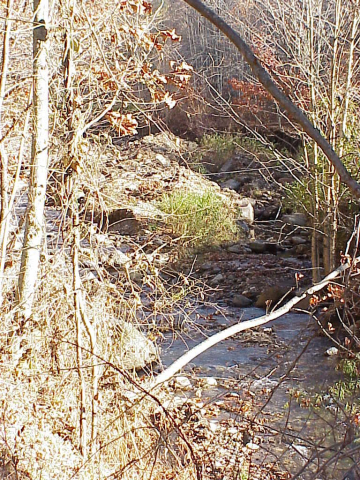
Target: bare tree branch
291,109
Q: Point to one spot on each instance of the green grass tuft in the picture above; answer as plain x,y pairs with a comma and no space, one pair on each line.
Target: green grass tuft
202,219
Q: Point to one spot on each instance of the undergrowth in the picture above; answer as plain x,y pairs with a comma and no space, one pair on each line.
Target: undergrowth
200,219
40,388
222,145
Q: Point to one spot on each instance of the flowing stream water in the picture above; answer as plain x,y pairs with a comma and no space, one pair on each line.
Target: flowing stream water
286,355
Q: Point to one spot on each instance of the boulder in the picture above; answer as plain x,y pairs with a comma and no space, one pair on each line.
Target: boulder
273,295
232,183
259,246
133,350
268,213
297,219
241,301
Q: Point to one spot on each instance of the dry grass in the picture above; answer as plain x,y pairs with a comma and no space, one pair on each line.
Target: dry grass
39,392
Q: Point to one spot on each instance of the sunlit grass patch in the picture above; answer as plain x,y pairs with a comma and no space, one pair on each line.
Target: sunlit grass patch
201,219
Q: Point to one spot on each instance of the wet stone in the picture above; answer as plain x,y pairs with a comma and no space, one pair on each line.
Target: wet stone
241,301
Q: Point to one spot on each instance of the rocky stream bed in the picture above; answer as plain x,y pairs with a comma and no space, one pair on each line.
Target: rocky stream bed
256,405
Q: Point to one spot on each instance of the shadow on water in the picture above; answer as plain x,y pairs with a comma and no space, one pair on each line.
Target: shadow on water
285,368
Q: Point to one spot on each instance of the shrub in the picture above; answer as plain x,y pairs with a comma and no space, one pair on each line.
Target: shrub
222,145
215,150
202,219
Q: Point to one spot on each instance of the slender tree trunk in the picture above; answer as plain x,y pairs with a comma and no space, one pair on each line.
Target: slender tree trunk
313,157
349,75
332,188
4,184
34,225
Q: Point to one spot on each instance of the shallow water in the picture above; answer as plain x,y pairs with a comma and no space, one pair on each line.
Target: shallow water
290,356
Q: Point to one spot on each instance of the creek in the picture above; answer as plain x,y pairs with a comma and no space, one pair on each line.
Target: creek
286,355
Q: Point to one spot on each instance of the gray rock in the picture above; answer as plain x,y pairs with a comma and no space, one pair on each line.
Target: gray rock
252,446
241,301
258,246
263,247
181,383
232,183
297,240
217,279
269,213
132,349
164,162
247,212
242,202
332,351
298,219
246,209
237,248
208,382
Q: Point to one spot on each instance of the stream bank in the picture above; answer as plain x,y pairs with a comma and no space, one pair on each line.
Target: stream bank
257,393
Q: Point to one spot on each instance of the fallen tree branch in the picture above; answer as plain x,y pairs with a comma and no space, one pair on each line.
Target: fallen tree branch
239,327
284,101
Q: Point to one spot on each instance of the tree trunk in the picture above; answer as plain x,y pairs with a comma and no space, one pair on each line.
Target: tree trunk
313,158
39,164
4,184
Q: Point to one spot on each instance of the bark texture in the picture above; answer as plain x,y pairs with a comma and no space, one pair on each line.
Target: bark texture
34,225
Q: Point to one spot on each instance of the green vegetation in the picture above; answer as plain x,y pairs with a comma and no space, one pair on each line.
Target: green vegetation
351,385
255,146
221,144
201,219
298,197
